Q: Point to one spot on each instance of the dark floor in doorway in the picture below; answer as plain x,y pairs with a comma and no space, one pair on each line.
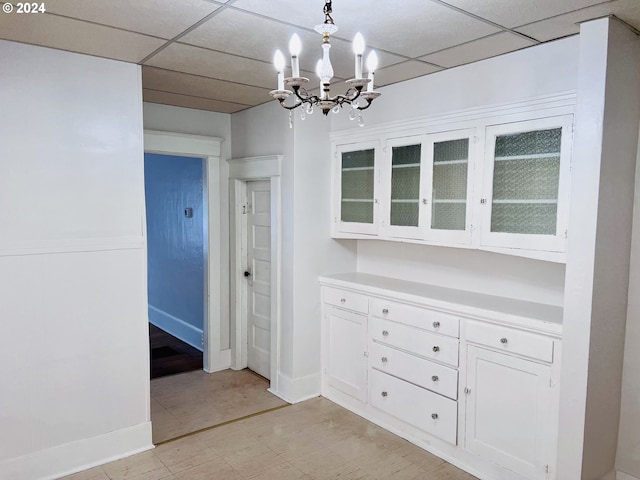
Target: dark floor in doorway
170,355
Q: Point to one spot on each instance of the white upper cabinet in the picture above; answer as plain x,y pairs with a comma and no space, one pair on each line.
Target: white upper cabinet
449,178
526,184
425,189
404,192
356,189
498,183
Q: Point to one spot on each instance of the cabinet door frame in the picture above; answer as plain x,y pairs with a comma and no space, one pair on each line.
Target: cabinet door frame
542,458
340,227
450,236
551,243
398,231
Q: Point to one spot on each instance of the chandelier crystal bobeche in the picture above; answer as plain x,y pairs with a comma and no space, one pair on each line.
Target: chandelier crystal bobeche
295,84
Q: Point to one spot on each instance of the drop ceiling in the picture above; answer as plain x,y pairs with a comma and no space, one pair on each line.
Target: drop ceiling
216,55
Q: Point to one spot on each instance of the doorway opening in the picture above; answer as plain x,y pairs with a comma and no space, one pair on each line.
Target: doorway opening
176,252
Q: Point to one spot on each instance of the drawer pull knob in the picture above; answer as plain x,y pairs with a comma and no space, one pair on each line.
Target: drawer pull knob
385,311
384,394
436,324
436,348
385,333
342,300
503,340
384,359
435,378
434,416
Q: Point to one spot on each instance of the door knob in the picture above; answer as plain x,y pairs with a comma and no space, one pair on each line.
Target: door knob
247,274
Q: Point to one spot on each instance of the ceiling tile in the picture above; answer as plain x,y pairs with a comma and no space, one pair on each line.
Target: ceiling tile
182,83
222,66
563,25
165,98
162,18
77,36
403,71
513,13
220,33
411,28
479,49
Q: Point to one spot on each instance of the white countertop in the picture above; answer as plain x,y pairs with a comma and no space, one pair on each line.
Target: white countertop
531,315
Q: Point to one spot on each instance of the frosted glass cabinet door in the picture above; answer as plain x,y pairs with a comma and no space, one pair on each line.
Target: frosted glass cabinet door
450,160
404,195
526,186
355,190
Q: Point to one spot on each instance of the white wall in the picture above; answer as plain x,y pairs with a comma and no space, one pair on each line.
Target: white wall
74,346
315,252
628,455
263,131
167,118
476,271
541,70
602,184
307,249
534,72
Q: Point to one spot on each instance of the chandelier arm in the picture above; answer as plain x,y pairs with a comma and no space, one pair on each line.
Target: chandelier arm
346,98
369,101
292,107
307,98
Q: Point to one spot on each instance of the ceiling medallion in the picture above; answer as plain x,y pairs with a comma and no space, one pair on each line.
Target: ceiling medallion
295,84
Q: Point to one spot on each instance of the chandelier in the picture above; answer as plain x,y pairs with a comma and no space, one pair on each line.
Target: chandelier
294,86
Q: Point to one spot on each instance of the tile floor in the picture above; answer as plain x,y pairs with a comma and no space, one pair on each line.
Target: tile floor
191,401
315,439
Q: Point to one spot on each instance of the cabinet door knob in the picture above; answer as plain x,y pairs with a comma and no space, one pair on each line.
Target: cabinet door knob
385,311
385,333
436,348
435,378
384,394
434,416
342,300
503,340
436,324
384,359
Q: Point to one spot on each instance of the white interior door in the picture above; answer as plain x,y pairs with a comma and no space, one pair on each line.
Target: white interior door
259,278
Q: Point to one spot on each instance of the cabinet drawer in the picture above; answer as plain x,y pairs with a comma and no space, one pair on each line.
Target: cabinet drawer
510,340
413,340
423,318
421,408
345,299
427,374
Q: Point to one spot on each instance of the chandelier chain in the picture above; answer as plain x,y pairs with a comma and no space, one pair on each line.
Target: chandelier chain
327,12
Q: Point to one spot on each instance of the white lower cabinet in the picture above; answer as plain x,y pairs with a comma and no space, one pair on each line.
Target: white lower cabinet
508,407
478,387
345,361
425,410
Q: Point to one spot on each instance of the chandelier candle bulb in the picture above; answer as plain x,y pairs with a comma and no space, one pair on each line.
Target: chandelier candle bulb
278,62
358,49
295,45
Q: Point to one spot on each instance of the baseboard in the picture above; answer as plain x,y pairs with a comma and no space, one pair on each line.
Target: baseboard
295,390
625,476
176,327
62,460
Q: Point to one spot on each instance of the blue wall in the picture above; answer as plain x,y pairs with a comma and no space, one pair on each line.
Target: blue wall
175,245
